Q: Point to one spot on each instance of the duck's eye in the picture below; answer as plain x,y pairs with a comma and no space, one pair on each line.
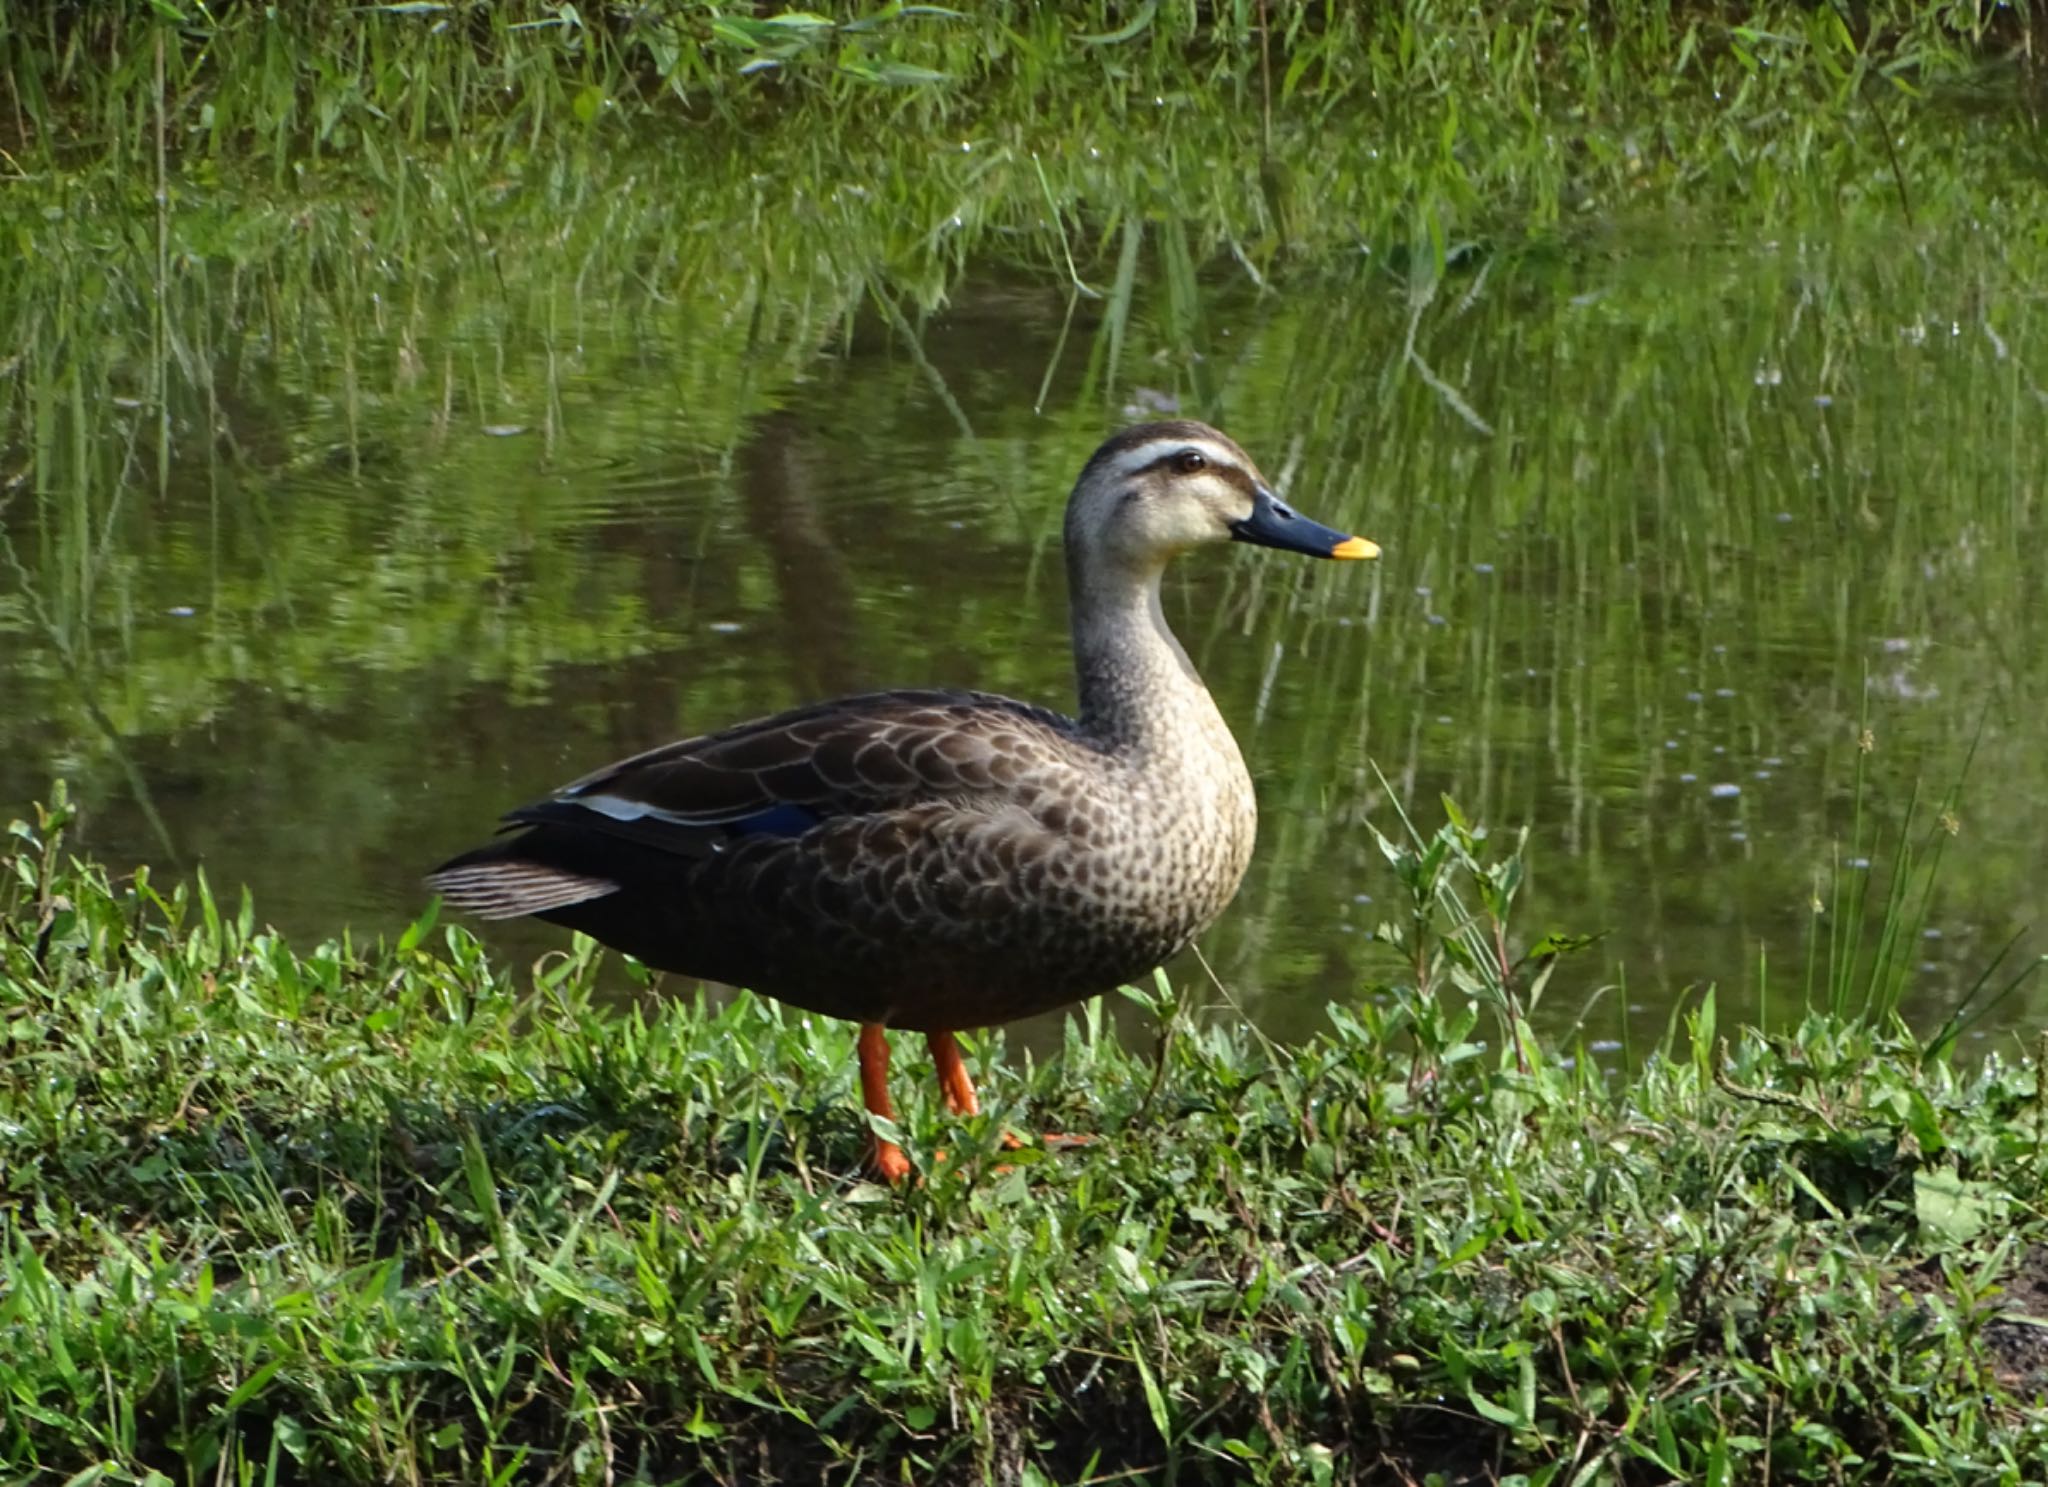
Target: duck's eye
1189,461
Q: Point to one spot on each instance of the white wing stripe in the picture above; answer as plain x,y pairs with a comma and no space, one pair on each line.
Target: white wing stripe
619,808
623,808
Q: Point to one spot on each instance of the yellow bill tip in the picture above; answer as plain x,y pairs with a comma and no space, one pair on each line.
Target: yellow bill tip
1355,547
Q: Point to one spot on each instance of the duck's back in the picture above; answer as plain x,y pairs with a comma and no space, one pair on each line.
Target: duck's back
922,859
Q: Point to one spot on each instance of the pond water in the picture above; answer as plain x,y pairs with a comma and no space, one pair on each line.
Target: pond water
1686,533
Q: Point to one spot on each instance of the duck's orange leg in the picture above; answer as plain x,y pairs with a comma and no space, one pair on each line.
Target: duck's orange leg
958,1089
953,1081
886,1158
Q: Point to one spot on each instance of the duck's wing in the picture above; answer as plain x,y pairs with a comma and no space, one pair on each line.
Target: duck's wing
780,776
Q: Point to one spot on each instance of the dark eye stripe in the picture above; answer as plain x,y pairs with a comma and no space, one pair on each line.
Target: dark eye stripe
1230,474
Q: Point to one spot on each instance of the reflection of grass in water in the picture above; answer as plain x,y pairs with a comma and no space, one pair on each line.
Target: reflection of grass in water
1627,504
1743,489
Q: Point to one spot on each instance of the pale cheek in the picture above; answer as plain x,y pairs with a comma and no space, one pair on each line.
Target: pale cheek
1201,527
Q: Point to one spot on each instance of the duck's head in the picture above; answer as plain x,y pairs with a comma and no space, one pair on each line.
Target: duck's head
1156,490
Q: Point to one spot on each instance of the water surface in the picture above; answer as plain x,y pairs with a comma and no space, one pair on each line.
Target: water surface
1680,528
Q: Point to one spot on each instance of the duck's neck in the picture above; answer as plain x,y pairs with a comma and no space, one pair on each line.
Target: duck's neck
1138,690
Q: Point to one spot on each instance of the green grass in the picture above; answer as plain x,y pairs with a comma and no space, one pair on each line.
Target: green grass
1276,126
383,1213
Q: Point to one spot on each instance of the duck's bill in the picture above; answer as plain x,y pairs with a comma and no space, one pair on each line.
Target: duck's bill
1273,523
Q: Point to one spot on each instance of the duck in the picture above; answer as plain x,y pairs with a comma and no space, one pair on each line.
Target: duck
930,860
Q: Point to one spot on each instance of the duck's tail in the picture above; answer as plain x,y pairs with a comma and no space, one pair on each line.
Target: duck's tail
535,872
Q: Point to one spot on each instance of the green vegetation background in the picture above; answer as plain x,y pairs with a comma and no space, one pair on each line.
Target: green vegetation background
380,1213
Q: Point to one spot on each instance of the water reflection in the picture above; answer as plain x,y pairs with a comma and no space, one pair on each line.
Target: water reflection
1648,610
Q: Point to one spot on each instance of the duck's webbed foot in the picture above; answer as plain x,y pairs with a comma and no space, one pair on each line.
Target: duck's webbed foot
958,1090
